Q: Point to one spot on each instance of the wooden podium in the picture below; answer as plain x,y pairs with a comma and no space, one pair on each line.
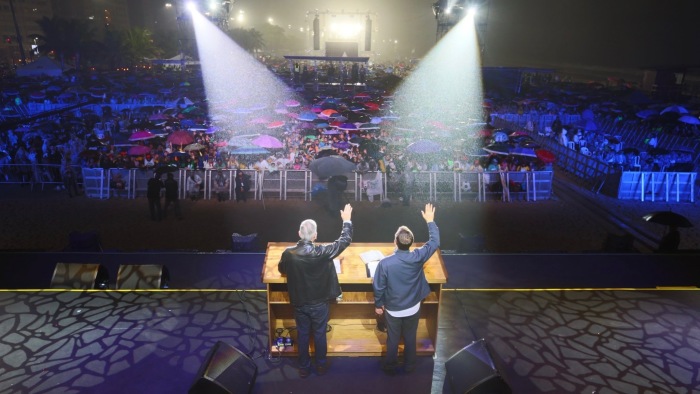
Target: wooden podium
353,321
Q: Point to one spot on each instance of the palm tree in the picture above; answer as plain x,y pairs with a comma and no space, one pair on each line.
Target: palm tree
137,45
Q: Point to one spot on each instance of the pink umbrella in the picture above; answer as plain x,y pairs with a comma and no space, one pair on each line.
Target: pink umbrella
138,150
180,137
275,125
141,135
267,141
291,103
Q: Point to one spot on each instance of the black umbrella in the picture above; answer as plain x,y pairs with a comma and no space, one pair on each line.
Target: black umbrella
668,218
325,167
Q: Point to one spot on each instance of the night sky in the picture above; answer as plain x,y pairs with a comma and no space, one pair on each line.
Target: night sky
603,33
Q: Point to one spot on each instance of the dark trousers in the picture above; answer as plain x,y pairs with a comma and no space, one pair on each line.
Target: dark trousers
155,208
398,327
312,319
176,207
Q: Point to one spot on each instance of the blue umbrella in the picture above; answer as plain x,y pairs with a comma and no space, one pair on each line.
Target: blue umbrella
249,150
307,116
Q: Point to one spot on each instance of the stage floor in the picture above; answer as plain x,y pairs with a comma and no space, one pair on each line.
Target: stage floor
624,339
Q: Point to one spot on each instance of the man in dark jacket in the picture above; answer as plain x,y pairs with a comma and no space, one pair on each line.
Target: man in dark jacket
312,283
399,287
171,196
153,195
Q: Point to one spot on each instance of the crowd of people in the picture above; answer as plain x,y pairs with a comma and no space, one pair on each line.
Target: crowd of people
99,136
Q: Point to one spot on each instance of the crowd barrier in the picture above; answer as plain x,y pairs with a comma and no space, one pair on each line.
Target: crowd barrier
298,184
597,175
657,186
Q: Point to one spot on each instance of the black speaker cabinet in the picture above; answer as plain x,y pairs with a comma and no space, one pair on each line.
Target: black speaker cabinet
226,370
80,276
143,277
471,370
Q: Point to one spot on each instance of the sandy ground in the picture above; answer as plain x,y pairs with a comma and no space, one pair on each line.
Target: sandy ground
43,220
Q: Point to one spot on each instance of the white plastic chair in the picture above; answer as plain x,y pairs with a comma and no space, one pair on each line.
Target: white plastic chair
374,187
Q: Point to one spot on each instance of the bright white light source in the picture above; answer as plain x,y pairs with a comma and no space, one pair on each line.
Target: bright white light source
191,6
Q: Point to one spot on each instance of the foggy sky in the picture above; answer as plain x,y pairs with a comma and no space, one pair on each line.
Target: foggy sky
605,33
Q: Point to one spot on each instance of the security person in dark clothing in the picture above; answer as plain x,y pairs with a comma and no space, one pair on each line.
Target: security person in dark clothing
153,195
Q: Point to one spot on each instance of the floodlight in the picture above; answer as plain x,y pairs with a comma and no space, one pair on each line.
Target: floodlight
191,6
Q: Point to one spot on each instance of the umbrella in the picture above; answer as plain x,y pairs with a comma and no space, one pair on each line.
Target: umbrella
268,141
250,150
423,146
674,108
291,103
332,132
141,135
138,150
327,113
180,137
631,150
523,151
646,113
545,155
195,146
165,169
274,125
668,218
347,126
342,145
499,148
307,116
327,166
689,119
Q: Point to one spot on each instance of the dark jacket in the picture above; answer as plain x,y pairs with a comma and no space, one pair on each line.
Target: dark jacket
399,281
154,186
311,276
171,189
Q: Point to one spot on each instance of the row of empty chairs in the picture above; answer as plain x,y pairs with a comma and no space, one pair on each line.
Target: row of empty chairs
96,276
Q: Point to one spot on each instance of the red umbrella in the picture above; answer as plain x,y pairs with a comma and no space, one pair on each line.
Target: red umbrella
545,155
138,150
180,137
141,135
274,125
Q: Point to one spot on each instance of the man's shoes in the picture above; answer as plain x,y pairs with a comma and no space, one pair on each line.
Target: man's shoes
304,373
389,369
321,369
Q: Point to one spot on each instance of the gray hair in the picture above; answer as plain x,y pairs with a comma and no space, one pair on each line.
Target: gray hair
307,230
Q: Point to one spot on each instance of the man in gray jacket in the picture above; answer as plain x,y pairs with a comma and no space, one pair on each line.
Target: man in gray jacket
399,287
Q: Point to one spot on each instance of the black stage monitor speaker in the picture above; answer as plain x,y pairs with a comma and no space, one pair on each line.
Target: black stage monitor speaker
143,277
471,370
80,276
225,370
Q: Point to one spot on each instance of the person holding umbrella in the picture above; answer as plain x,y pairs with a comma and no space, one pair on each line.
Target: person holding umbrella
669,242
153,194
171,196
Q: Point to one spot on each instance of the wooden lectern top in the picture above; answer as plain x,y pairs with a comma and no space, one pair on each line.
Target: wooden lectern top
353,269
